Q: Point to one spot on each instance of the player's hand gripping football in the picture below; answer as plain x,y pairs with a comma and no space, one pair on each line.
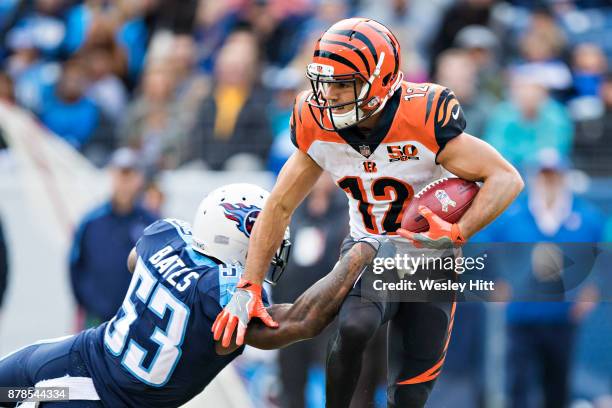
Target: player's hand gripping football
441,234
244,305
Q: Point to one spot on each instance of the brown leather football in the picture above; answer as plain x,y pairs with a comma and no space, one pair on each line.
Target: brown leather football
449,198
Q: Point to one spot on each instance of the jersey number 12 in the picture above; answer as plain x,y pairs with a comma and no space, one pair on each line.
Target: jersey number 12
385,188
146,289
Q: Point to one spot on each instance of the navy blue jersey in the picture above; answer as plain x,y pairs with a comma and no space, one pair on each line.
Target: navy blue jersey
158,350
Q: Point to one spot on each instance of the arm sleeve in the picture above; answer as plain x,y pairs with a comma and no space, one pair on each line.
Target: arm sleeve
449,121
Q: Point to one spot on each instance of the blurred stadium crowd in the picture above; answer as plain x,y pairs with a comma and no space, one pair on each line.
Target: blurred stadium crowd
209,85
213,82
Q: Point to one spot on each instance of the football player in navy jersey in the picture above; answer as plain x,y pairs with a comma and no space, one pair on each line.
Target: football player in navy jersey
158,350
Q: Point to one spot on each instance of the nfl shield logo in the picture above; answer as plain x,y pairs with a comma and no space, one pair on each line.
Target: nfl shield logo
365,150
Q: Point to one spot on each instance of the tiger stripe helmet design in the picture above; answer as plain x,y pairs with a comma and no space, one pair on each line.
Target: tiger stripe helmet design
357,51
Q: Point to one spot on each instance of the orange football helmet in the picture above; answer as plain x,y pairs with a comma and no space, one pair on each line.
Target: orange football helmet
361,52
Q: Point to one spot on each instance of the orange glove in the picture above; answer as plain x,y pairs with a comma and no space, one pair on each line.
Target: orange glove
441,234
244,305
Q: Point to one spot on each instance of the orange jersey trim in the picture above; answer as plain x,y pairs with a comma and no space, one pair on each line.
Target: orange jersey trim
415,119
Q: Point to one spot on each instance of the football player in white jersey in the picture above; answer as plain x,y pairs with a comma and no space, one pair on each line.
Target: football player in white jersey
382,139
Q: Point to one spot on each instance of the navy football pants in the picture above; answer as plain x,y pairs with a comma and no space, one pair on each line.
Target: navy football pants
45,360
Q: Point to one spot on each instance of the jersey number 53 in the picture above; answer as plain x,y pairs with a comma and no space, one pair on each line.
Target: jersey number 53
146,293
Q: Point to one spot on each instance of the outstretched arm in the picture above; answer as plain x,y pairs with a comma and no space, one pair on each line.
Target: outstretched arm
315,308
273,220
265,240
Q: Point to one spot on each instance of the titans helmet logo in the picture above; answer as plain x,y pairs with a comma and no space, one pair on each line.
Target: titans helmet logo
244,216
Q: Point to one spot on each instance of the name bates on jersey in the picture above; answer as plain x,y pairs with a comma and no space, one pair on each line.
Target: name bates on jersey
380,172
172,267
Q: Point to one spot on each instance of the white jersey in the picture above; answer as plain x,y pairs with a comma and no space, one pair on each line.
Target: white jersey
381,172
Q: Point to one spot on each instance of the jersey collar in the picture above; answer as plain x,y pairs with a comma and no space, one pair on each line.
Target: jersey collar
367,144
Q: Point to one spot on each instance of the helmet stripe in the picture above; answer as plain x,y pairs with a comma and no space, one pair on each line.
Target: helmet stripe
391,44
360,36
336,57
352,48
382,34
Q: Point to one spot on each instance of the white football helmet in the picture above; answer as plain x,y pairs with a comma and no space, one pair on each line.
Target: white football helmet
224,221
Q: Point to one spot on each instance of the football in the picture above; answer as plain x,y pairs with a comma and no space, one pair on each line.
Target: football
449,198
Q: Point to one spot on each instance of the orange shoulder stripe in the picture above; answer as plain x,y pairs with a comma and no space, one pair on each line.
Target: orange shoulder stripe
412,120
